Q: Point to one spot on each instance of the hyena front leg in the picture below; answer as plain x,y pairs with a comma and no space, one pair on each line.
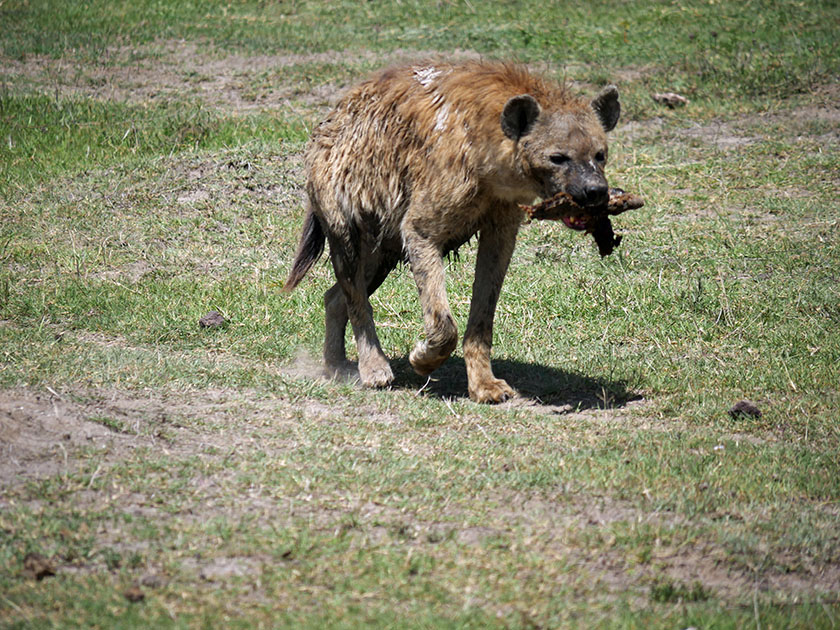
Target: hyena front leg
350,271
495,247
441,332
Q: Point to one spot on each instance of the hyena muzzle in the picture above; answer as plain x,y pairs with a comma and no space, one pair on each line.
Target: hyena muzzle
413,163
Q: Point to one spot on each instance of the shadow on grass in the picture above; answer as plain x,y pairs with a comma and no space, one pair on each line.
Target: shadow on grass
545,385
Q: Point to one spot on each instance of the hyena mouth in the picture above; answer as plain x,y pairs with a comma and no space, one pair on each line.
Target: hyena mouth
577,221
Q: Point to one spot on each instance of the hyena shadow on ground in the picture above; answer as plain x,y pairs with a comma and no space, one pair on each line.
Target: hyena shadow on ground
561,390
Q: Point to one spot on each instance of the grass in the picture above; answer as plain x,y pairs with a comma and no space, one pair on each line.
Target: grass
150,172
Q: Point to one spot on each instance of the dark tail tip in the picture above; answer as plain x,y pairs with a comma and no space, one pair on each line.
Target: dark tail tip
309,250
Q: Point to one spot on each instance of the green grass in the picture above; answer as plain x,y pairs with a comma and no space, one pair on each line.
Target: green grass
45,136
150,172
724,51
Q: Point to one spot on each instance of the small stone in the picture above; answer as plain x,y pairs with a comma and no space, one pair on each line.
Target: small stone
744,408
134,594
670,99
213,319
151,580
37,566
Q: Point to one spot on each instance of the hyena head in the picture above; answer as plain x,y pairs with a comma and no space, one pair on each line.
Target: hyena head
564,149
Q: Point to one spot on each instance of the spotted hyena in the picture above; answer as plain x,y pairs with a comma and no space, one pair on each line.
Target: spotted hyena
414,162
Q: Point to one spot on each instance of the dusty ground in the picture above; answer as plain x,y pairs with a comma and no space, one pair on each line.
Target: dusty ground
44,434
177,70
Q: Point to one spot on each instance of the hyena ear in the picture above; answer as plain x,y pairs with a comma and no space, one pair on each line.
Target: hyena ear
607,107
519,115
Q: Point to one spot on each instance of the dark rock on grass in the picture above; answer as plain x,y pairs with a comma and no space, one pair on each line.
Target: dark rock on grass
134,594
744,408
151,580
37,566
213,319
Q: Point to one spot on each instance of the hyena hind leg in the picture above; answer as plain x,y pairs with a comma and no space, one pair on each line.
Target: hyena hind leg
335,325
354,276
336,317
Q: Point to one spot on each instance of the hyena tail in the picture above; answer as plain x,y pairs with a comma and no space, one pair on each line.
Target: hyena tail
309,250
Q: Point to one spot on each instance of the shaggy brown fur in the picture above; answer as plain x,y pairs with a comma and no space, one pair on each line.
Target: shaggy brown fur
417,160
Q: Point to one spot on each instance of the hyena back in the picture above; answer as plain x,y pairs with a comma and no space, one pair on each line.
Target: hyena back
413,163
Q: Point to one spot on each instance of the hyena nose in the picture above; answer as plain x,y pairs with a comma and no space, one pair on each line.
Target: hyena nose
596,194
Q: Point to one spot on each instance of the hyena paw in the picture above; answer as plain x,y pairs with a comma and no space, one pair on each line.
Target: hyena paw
375,374
426,360
493,390
339,370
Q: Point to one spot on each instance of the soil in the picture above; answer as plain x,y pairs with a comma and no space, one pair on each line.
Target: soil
45,434
42,434
823,107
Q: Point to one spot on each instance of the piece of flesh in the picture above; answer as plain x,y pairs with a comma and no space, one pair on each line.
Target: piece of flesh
604,236
594,220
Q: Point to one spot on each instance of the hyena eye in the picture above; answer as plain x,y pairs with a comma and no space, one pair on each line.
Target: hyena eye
559,158
600,156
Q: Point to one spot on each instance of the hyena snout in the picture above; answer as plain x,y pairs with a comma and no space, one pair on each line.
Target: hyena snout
592,191
595,194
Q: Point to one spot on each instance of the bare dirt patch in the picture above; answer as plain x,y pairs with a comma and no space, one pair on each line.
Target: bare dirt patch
41,434
169,71
719,134
741,132
46,433
222,568
606,413
552,528
820,109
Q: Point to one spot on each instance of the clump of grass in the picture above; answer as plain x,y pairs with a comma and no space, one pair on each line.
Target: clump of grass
115,424
667,590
